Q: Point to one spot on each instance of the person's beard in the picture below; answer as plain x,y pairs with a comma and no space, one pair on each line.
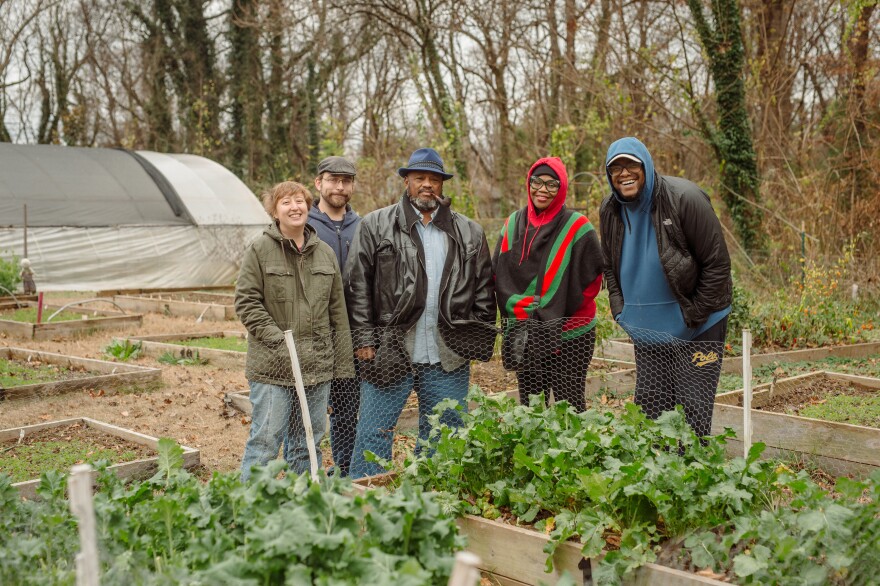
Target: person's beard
427,203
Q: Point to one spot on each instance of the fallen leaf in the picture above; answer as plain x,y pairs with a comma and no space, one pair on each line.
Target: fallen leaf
604,399
44,417
245,420
167,401
124,413
708,573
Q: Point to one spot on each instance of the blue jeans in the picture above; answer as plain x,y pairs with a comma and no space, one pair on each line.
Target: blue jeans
381,407
276,414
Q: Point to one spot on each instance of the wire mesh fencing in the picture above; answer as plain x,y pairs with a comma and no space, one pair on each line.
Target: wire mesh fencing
364,392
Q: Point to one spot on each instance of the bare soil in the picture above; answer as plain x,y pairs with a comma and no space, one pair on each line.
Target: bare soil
86,433
814,392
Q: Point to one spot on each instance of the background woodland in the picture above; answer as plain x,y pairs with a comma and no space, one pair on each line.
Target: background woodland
773,106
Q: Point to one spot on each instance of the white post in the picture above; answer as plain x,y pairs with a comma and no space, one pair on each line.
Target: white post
466,571
82,506
747,392
303,404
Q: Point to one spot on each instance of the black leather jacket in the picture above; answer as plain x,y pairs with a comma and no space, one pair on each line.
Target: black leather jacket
692,250
386,283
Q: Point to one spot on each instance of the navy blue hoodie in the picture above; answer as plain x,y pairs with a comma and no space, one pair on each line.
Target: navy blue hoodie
649,303
339,239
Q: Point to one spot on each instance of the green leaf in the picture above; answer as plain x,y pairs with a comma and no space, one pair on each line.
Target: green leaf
170,458
745,565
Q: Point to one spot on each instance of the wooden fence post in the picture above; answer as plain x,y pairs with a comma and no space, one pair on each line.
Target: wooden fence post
83,507
466,571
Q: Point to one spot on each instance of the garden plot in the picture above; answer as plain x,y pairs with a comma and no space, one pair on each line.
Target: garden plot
200,304
515,555
830,418
223,349
622,349
10,302
29,373
72,321
49,446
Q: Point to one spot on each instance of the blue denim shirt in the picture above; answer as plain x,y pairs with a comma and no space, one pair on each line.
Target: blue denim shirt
435,246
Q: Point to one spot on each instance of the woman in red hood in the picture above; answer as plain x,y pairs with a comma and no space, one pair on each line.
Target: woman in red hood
548,270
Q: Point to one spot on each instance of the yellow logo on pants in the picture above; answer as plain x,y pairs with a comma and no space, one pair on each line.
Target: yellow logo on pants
701,359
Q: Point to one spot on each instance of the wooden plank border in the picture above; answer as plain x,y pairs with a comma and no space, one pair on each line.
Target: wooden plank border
135,469
210,311
841,447
515,555
96,320
155,346
117,375
622,349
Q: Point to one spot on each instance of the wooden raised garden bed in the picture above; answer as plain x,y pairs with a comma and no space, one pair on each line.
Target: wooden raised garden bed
842,448
71,373
200,304
514,556
9,302
622,349
615,374
228,289
90,321
155,346
142,467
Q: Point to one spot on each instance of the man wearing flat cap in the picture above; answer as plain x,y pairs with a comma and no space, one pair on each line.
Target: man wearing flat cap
335,223
421,304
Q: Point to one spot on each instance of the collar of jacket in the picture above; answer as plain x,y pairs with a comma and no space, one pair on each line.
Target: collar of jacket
311,238
407,216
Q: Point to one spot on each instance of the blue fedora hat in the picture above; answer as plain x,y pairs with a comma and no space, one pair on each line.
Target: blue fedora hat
425,160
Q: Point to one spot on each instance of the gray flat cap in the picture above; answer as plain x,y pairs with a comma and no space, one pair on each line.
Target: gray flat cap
336,166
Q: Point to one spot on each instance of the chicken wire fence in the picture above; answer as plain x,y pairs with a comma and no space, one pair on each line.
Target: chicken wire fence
384,404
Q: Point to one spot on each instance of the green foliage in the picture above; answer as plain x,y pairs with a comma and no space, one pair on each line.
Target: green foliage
191,358
740,318
585,475
9,274
175,529
123,350
812,311
606,327
815,539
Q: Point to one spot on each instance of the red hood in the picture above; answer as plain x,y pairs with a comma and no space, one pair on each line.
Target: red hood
556,204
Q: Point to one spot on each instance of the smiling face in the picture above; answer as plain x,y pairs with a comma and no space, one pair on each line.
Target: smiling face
423,188
292,213
627,177
543,189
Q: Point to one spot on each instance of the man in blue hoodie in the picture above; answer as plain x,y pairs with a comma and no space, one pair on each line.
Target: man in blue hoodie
668,275
335,222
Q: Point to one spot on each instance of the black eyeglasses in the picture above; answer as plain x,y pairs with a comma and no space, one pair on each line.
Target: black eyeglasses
551,185
632,166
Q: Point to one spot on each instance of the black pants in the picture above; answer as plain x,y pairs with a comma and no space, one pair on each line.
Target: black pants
681,373
345,400
563,372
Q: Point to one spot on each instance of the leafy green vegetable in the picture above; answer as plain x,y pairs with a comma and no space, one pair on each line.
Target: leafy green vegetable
174,529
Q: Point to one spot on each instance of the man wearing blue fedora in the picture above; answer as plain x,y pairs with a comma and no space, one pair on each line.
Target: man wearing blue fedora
421,304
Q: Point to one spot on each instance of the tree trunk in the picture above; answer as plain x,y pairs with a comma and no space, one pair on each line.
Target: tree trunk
733,138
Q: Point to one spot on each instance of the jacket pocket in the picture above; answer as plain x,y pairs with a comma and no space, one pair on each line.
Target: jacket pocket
279,283
322,282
